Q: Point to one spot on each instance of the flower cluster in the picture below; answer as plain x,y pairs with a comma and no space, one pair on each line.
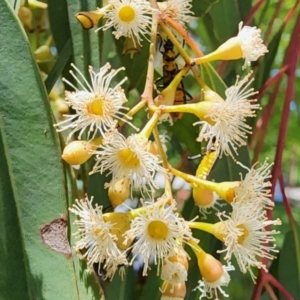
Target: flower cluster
154,231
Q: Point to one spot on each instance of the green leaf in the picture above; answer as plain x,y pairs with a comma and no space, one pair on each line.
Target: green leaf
213,79
188,137
12,269
61,32
200,8
85,42
136,67
59,66
226,169
120,289
31,158
150,289
266,64
226,15
289,263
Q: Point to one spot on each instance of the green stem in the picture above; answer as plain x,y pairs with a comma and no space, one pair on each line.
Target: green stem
147,130
163,156
147,95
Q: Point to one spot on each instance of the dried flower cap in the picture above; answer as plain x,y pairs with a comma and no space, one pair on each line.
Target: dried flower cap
119,192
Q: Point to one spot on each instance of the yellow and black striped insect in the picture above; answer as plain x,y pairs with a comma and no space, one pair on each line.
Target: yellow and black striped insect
170,70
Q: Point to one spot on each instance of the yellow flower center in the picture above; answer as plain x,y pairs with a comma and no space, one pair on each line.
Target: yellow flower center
129,158
97,231
245,234
127,14
158,230
96,106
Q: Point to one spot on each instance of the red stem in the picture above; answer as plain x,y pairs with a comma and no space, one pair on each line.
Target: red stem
271,22
290,61
286,202
265,278
270,278
291,12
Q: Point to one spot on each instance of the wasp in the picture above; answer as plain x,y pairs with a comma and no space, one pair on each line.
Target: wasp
170,70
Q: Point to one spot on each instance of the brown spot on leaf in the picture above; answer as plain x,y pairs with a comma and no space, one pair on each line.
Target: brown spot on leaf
54,235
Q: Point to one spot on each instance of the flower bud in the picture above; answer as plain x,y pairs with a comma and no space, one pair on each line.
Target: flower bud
119,192
25,16
203,197
210,268
43,53
214,275
78,152
121,223
61,106
152,148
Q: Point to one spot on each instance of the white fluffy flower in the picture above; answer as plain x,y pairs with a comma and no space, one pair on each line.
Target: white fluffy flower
130,18
127,158
255,187
245,234
97,105
229,117
95,237
178,10
158,230
251,43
